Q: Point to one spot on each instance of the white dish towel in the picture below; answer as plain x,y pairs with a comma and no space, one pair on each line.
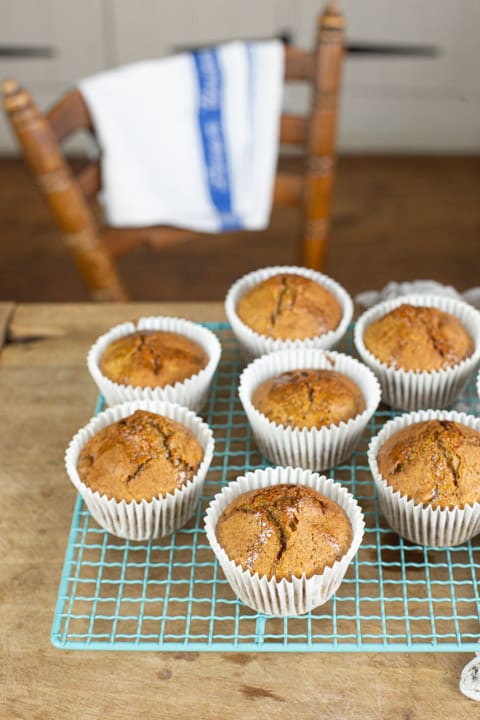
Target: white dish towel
190,140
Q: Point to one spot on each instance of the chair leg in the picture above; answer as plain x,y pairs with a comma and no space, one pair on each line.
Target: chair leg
320,156
62,194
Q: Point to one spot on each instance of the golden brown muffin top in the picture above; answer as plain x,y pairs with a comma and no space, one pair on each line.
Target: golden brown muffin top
152,358
284,531
142,456
418,338
309,398
436,462
289,307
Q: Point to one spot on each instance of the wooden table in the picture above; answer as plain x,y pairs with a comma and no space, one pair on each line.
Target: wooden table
47,395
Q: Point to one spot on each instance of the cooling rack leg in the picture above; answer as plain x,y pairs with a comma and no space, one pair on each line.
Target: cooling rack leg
260,629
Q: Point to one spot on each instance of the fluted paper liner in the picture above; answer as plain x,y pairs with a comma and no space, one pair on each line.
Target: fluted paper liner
314,448
423,525
300,594
254,344
149,518
413,389
191,393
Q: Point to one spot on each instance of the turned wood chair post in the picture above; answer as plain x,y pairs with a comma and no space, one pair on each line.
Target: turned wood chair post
320,151
62,194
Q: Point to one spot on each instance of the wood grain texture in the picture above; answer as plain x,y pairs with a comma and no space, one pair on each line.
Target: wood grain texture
47,395
394,218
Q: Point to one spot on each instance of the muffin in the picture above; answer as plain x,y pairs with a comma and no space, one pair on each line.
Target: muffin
423,349
418,338
426,468
140,467
282,307
152,358
310,398
436,462
289,307
283,531
156,358
284,538
311,417
140,457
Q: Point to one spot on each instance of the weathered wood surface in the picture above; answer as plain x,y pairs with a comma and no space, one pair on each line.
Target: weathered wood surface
46,395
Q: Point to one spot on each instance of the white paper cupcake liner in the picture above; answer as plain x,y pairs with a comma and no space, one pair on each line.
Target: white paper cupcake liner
314,448
423,525
191,393
253,344
300,594
413,390
149,518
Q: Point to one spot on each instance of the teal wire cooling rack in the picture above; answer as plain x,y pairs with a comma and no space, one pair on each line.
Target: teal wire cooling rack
170,594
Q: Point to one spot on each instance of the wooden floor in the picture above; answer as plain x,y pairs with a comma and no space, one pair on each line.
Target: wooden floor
395,218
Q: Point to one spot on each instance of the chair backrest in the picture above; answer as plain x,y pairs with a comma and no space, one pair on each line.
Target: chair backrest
68,194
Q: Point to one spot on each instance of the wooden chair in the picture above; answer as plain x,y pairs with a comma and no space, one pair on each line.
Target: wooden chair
95,248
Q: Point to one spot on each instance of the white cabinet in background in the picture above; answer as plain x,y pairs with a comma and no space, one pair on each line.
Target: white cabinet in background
413,104
151,28
74,32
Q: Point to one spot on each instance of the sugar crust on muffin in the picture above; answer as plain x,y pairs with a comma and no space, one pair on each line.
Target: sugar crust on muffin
310,398
142,456
283,531
435,462
289,307
421,338
152,358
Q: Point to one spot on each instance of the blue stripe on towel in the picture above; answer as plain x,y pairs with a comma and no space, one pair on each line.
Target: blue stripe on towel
210,85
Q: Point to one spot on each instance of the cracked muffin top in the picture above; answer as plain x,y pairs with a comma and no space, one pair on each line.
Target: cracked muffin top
309,398
436,462
140,457
289,307
418,338
152,358
284,531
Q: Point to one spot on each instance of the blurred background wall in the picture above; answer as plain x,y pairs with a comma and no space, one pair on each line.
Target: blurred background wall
390,103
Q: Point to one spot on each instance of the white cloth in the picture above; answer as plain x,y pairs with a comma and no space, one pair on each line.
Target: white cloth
418,287
190,140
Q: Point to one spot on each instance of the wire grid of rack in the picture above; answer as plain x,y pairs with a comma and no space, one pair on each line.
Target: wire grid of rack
170,594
